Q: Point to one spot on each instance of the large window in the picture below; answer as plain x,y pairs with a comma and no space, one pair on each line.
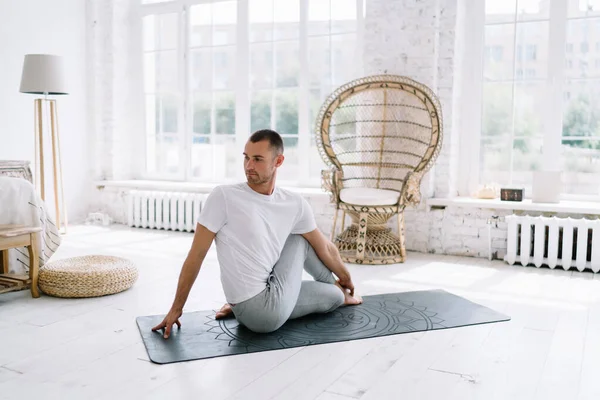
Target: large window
216,71
539,93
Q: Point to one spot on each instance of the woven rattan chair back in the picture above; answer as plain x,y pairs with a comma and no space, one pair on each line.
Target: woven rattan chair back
378,129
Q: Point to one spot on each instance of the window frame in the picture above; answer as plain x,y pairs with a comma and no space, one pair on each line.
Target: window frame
472,89
242,89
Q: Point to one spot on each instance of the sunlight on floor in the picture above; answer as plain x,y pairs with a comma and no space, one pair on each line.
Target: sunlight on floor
444,273
499,282
547,286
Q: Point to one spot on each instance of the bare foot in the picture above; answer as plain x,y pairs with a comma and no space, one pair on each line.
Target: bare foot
224,312
350,300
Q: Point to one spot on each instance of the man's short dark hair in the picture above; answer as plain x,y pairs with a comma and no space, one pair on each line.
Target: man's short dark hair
275,141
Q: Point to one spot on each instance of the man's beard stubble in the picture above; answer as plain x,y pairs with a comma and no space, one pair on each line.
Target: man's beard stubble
256,179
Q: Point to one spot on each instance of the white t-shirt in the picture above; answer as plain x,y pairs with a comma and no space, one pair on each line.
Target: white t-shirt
251,229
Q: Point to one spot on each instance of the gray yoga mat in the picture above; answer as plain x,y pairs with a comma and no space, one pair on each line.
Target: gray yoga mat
201,336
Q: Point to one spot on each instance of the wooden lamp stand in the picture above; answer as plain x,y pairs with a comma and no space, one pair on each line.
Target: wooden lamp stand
39,166
43,74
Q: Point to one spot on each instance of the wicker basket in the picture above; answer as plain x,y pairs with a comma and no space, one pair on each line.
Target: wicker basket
87,276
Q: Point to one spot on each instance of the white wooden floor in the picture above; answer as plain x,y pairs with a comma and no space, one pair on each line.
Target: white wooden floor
54,348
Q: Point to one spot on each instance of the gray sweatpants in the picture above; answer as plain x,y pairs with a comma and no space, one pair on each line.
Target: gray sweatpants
286,295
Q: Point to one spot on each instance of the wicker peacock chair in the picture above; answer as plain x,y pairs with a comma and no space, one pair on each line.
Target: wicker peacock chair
378,135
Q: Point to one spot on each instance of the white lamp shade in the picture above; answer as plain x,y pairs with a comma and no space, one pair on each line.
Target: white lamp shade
43,74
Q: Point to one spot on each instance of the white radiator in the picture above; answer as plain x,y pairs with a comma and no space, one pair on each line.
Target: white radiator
553,241
164,210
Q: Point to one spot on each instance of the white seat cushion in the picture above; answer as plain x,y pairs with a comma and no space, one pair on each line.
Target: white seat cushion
369,196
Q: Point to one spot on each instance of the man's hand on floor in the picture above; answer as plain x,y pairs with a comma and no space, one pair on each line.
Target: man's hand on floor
167,323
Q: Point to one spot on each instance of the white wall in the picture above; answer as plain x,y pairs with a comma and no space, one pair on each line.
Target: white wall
116,94
55,27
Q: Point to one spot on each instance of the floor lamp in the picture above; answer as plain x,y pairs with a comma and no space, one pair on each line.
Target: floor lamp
43,74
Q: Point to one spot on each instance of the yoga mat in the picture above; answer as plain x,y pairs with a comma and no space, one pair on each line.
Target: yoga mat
201,336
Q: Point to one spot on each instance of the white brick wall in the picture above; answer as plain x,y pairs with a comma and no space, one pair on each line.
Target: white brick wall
472,232
417,39
115,104
451,231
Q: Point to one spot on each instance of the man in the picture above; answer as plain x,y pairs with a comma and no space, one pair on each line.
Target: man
265,237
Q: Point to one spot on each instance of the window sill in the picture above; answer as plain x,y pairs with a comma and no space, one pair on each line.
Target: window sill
571,207
195,187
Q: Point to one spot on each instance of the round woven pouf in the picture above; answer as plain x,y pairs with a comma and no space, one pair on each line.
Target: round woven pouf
87,276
